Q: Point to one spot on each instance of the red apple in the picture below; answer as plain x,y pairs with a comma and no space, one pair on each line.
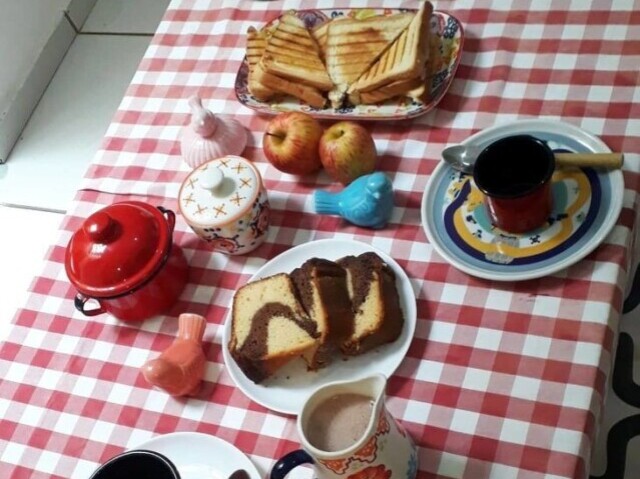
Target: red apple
347,151
291,143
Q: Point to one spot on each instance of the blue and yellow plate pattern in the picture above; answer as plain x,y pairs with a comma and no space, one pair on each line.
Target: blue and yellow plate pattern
586,204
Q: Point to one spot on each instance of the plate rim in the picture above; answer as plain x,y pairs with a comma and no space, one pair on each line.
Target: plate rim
327,116
410,322
552,126
191,435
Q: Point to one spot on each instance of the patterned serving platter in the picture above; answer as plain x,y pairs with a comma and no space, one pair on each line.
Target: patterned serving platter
586,205
444,57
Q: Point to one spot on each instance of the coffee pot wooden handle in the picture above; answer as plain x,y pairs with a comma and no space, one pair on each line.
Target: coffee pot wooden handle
607,161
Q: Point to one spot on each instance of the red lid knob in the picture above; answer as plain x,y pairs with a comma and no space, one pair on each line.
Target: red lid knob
99,227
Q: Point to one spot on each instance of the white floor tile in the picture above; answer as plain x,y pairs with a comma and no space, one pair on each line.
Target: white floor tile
24,242
66,129
126,16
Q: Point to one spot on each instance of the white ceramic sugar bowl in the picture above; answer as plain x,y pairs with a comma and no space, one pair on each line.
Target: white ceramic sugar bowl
226,204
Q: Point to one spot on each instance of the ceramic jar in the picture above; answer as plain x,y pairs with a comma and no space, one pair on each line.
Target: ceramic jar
208,137
225,203
123,257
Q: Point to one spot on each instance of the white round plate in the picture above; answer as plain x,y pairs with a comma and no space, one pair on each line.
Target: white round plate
288,389
198,455
587,204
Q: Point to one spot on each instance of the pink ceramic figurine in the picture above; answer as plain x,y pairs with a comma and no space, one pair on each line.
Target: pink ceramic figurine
180,368
208,137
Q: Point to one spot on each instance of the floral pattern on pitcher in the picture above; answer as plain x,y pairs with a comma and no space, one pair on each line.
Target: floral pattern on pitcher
412,466
383,424
338,466
372,472
244,236
368,453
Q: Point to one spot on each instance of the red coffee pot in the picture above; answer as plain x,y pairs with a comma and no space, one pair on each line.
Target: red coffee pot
123,257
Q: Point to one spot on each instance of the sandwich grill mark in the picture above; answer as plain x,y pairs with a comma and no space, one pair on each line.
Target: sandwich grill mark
281,46
288,34
296,60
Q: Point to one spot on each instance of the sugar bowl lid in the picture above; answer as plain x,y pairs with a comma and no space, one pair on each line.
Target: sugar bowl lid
219,191
118,248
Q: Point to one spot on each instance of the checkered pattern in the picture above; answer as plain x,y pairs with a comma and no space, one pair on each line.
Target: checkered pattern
500,381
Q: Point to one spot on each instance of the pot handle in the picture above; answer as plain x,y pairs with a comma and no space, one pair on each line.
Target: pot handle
290,461
79,303
171,217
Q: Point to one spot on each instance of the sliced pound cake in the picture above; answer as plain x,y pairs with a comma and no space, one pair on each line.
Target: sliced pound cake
376,305
269,327
322,290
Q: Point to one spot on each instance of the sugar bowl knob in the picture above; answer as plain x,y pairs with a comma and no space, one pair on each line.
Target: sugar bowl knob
212,179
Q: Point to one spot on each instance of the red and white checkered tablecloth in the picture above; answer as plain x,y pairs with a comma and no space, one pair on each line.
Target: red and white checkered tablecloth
502,380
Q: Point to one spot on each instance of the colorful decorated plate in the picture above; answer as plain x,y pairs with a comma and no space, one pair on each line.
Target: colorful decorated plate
444,54
586,202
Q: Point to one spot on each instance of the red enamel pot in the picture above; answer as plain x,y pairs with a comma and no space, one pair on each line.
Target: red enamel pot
124,259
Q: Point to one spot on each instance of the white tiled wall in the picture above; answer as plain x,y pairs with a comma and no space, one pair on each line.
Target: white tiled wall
57,144
34,36
123,16
67,127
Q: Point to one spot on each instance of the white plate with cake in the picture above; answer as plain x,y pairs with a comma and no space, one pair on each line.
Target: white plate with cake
323,311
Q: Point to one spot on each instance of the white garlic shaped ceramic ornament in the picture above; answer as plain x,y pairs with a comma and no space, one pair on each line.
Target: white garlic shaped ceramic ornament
207,136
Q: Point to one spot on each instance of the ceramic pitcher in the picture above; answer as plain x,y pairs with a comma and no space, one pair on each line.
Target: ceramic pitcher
385,450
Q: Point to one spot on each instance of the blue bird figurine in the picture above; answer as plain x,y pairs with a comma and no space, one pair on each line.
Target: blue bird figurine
367,201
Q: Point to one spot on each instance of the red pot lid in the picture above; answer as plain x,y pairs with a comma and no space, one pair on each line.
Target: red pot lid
117,249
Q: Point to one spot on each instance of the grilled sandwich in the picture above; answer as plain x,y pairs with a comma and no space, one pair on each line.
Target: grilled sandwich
319,34
352,46
401,87
294,55
308,94
404,60
367,60
256,44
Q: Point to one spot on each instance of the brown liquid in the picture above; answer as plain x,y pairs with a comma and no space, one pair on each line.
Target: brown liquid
339,422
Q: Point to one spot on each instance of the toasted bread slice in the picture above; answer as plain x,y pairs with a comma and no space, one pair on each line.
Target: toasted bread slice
415,88
256,44
420,93
319,34
404,60
354,45
308,94
293,54
399,88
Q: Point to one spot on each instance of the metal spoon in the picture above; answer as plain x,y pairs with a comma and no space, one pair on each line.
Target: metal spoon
463,157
